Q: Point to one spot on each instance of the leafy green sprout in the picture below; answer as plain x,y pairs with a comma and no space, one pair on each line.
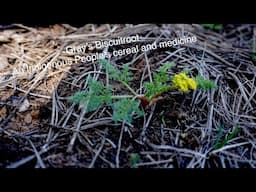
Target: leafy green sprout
212,26
160,81
253,54
134,159
219,144
115,74
125,107
203,83
94,97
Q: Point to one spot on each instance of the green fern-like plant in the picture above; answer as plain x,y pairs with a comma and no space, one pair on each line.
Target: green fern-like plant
204,84
126,75
95,97
125,109
160,82
219,143
113,72
124,106
213,26
134,159
116,74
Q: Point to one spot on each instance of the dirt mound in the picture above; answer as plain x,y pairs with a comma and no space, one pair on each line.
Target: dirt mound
40,127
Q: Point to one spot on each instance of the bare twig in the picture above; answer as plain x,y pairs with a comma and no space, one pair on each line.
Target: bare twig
119,146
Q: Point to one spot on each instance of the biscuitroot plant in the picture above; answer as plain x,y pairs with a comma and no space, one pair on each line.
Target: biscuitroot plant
126,107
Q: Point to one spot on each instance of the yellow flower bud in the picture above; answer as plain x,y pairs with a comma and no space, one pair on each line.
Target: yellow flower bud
183,82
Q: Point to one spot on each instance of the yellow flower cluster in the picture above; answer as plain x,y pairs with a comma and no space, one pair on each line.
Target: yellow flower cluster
183,82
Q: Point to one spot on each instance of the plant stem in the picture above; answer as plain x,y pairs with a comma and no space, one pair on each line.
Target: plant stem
171,88
125,96
128,87
121,96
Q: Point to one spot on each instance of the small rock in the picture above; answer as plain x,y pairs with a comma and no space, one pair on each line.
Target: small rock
28,119
24,106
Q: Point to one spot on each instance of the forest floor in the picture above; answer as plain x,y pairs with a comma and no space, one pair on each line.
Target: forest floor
40,127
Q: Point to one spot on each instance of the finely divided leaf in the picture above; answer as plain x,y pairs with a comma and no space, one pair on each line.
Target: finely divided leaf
166,67
126,75
112,71
160,81
116,74
96,96
124,110
204,83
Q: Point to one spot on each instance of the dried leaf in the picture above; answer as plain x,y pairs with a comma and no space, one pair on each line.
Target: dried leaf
35,113
58,30
3,112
